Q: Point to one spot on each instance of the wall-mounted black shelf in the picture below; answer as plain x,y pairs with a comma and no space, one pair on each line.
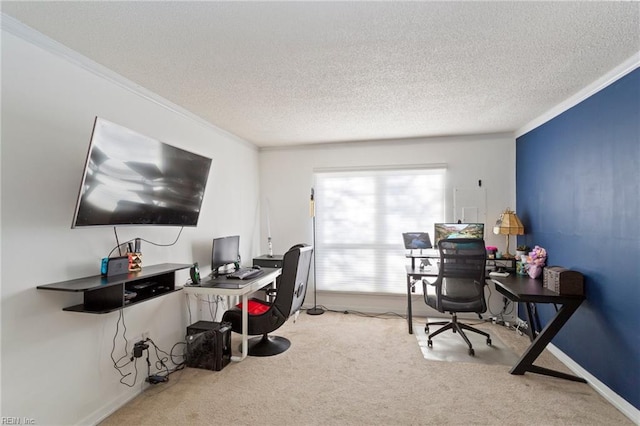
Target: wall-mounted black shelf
107,294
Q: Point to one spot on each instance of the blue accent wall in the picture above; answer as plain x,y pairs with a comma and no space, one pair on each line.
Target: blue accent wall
578,196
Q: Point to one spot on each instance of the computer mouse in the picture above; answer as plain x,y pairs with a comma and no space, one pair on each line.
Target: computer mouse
256,267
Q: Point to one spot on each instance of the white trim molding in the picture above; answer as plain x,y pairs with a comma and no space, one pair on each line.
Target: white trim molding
616,400
28,34
611,77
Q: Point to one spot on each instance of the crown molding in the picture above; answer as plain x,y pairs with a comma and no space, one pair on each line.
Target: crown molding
612,76
28,34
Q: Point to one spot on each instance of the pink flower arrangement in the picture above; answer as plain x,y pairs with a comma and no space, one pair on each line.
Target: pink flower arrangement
538,256
535,261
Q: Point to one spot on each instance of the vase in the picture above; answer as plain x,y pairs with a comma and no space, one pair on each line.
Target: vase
534,271
521,268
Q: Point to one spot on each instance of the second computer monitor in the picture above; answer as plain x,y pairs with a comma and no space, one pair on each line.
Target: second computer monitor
225,250
416,240
444,231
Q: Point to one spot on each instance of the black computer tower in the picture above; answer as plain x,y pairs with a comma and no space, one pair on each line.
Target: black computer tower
209,345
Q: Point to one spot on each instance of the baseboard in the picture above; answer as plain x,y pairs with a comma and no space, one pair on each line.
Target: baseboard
616,400
105,411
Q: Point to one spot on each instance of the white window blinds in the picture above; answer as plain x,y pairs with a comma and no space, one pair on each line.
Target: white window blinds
360,218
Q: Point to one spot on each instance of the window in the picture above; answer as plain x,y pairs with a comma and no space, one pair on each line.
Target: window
360,218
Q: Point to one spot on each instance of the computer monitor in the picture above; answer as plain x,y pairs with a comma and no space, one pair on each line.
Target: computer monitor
225,250
443,231
416,240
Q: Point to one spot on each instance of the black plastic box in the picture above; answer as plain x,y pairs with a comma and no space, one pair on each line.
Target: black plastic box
209,345
265,261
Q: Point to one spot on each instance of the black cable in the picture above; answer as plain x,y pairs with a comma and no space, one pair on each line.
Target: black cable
142,239
179,365
148,364
125,356
213,316
362,314
117,242
162,362
384,315
215,302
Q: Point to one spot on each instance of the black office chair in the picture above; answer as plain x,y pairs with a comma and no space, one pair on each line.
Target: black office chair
267,316
459,286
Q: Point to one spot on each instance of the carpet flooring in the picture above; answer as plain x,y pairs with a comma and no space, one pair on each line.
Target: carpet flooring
345,369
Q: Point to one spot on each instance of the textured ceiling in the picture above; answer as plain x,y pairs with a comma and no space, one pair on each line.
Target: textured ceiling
288,73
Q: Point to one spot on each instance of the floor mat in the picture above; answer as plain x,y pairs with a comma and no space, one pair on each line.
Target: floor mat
450,346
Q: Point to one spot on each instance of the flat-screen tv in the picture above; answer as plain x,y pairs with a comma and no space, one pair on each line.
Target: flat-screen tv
132,179
225,250
442,231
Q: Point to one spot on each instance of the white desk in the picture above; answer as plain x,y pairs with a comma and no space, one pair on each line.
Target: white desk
268,277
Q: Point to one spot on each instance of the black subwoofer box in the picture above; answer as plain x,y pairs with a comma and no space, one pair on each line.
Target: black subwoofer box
209,345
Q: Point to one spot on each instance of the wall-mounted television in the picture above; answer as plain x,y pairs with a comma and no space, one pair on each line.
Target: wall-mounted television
132,179
442,231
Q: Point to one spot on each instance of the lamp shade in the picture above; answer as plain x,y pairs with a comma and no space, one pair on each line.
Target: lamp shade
509,224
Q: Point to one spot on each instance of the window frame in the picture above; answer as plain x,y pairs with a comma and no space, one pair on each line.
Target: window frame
349,273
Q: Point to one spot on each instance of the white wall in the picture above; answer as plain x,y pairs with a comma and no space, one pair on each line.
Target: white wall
286,178
56,366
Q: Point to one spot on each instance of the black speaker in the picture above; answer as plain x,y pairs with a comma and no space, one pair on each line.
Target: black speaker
194,272
209,345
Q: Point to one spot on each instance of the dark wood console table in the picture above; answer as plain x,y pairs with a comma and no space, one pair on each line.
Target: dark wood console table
107,294
526,290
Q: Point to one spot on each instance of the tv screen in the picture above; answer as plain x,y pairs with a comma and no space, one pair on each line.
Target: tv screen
132,179
458,230
225,250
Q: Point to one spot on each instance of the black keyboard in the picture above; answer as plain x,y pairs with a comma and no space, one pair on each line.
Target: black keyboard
245,273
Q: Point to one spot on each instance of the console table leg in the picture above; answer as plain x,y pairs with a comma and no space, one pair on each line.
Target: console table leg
409,311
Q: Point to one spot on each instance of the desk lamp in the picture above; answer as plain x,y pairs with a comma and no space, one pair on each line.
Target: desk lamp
508,224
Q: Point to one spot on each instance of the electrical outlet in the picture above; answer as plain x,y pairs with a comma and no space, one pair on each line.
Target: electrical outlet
145,335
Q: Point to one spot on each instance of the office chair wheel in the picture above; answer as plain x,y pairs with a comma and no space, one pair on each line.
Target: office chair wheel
488,342
472,352
426,329
430,343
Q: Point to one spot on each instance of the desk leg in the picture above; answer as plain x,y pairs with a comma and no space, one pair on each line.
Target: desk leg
525,363
245,330
530,330
409,311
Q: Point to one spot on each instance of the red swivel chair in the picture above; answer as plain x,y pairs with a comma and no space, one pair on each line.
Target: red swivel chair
267,316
